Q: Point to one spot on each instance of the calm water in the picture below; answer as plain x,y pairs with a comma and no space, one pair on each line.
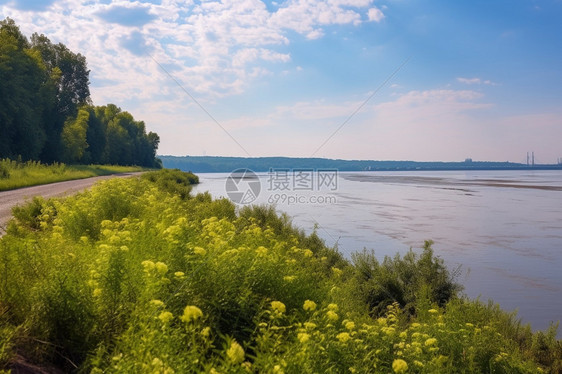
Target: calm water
504,228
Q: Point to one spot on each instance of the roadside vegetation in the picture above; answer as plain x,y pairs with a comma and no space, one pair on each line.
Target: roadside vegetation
137,276
17,174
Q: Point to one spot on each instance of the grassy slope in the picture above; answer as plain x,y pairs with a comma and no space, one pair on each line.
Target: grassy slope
16,175
131,277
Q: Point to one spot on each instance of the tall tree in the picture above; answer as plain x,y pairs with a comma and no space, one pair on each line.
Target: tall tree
66,84
21,73
73,137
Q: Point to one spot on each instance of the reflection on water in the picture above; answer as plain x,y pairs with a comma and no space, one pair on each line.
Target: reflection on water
503,227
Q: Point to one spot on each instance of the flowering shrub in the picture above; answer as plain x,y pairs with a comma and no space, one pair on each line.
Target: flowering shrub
131,276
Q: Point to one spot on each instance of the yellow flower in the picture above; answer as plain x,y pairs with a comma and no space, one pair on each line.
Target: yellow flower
191,313
430,342
157,303
309,305
310,325
432,311
235,353
332,316
206,332
303,337
199,251
343,337
261,250
148,265
161,267
399,366
308,253
350,325
97,292
165,317
278,306
289,278
337,272
333,307
179,274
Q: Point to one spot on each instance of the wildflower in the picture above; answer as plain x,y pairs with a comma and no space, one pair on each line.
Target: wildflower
309,305
399,366
157,362
165,317
97,292
157,303
432,311
247,365
179,274
206,332
261,250
310,325
191,313
308,253
333,307
303,337
430,342
337,272
415,325
235,353
332,316
350,325
289,278
161,267
148,265
278,306
343,337
418,363
199,251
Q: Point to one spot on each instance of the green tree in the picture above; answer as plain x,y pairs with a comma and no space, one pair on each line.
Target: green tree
21,72
66,88
73,137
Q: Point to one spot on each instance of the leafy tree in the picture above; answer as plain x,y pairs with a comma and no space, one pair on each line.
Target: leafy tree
73,137
20,100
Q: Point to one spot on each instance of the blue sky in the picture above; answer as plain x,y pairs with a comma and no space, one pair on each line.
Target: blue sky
483,79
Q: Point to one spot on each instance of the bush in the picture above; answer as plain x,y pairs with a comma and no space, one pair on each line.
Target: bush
407,280
173,181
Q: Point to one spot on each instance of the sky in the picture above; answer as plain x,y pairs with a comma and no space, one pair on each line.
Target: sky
422,80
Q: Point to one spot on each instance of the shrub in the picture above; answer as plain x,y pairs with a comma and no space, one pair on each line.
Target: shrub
407,280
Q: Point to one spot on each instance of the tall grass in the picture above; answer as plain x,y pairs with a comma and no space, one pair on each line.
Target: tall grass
135,276
16,174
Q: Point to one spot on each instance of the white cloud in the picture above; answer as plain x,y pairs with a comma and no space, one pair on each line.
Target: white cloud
214,47
375,14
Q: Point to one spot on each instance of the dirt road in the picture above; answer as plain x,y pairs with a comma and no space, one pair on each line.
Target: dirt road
9,199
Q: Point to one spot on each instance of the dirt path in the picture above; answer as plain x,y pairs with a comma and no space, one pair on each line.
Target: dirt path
9,199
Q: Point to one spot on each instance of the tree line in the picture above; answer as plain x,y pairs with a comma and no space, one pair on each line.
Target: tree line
46,112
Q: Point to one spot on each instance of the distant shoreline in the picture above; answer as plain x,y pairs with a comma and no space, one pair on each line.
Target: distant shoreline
216,164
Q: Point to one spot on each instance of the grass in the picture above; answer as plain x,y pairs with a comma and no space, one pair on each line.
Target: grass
17,174
137,276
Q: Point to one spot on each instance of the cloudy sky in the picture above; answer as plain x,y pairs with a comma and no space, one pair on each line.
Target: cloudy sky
353,79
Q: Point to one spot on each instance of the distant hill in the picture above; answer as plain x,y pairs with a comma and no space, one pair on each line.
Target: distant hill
215,164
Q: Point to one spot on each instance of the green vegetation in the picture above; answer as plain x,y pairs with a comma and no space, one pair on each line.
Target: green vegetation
46,113
214,164
135,276
17,174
